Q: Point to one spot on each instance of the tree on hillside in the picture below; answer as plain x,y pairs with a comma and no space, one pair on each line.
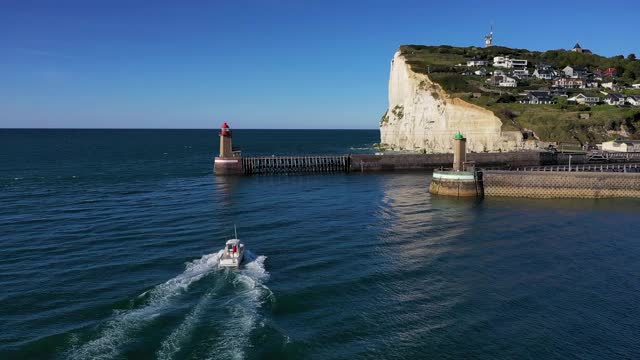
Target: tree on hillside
628,75
631,57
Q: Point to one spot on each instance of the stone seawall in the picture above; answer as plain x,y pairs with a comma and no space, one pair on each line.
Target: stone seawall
537,184
433,161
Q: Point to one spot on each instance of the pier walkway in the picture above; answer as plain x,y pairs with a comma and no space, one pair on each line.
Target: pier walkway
296,164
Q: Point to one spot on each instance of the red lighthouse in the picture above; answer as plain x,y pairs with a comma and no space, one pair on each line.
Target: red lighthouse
227,163
224,130
226,149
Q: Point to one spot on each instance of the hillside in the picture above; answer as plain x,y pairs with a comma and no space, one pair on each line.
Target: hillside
560,121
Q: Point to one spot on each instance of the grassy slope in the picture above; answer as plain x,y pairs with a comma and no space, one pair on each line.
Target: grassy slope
549,122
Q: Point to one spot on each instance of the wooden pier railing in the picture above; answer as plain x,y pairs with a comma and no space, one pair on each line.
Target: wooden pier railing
296,164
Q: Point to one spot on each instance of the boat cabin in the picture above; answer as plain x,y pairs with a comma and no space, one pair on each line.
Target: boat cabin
233,247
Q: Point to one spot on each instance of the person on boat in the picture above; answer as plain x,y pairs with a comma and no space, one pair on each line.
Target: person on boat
234,249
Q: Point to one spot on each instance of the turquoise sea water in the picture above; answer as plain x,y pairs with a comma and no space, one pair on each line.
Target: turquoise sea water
109,241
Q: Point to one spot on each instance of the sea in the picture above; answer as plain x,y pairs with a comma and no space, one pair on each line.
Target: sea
110,241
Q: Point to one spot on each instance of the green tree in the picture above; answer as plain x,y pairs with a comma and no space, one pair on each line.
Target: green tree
631,57
562,102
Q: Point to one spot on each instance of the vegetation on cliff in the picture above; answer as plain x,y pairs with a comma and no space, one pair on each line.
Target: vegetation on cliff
561,121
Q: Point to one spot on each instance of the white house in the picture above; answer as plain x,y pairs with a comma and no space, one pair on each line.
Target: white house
502,81
477,62
538,97
546,74
500,61
508,63
508,82
634,100
569,83
614,99
574,72
584,99
621,145
591,84
636,86
520,73
610,85
518,63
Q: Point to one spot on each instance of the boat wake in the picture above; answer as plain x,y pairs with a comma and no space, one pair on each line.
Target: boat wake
117,330
243,309
237,296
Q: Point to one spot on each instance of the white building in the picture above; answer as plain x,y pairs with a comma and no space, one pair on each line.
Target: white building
545,74
520,73
611,85
508,82
621,146
636,86
634,100
508,63
614,99
477,62
584,99
574,72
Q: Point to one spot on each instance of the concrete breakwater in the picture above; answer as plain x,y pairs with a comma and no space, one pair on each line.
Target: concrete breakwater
561,184
371,163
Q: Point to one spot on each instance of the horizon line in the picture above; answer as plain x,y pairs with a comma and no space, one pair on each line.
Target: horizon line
115,128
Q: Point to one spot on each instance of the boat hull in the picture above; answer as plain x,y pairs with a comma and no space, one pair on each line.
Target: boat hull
232,262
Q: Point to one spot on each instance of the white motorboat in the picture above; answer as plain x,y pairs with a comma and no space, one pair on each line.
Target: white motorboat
233,253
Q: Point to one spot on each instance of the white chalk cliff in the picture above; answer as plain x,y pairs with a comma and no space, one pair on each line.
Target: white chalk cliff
424,117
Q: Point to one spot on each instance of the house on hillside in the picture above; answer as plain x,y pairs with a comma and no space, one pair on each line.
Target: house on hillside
575,72
569,83
614,99
509,63
611,86
577,48
481,72
584,99
520,73
636,86
621,146
538,97
610,72
477,62
634,100
558,92
502,81
591,84
544,66
545,74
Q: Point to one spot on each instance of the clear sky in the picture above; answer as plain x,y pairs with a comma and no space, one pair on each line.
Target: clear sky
256,64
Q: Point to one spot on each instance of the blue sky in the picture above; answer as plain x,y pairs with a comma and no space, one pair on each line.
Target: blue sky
255,64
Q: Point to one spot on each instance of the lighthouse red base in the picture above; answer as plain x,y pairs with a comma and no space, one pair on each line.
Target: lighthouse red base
228,166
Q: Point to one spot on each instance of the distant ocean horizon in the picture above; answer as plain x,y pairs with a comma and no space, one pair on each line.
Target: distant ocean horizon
111,240
208,128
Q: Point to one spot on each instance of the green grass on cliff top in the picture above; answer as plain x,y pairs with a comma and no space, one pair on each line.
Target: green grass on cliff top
560,122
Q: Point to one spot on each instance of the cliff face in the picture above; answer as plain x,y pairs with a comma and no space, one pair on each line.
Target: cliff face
423,117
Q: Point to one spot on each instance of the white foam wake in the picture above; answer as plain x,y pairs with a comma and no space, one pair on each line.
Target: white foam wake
173,343
115,333
244,309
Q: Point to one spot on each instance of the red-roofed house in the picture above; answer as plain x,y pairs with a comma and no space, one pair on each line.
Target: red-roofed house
610,72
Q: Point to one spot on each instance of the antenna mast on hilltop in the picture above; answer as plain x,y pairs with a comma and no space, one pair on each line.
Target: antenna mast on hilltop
488,39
